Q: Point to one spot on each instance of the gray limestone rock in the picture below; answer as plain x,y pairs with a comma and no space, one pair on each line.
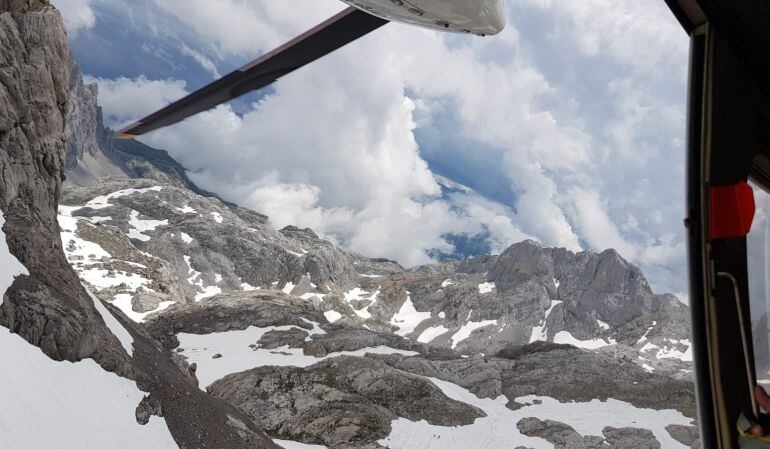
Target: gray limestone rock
567,374
90,155
347,401
48,308
563,436
630,438
560,435
687,435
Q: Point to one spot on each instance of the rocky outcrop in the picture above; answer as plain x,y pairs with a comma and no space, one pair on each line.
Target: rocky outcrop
564,373
233,311
342,402
687,435
630,438
563,436
559,434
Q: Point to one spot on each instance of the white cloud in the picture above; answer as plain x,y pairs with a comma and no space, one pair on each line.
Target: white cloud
583,106
597,228
124,100
203,60
641,35
241,27
77,14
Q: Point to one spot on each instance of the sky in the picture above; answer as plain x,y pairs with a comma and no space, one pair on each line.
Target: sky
567,128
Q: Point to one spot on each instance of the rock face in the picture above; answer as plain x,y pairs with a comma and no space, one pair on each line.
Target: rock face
90,153
341,402
48,308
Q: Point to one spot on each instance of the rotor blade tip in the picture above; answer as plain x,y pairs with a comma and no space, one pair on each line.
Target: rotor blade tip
125,136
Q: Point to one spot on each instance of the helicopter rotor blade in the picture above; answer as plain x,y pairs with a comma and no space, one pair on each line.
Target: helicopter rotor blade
336,32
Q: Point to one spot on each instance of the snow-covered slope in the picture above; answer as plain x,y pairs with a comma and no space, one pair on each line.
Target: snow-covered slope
47,404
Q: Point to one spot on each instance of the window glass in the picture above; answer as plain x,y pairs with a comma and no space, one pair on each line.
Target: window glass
758,245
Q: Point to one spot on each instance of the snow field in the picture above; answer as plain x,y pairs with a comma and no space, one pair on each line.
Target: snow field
46,404
238,356
498,429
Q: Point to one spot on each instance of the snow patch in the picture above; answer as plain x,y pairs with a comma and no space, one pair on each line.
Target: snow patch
103,201
468,329
123,302
117,329
358,294
10,267
288,287
186,238
286,444
498,429
238,356
540,333
447,283
486,287
217,217
62,405
332,316
102,279
565,337
408,318
139,226
602,324
187,209
431,333
77,250
670,352
195,278
644,337
245,286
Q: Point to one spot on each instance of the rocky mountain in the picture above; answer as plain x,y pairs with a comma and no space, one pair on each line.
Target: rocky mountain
170,318
197,247
259,310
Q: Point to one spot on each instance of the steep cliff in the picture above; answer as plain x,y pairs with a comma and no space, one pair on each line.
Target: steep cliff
79,404
90,153
49,308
